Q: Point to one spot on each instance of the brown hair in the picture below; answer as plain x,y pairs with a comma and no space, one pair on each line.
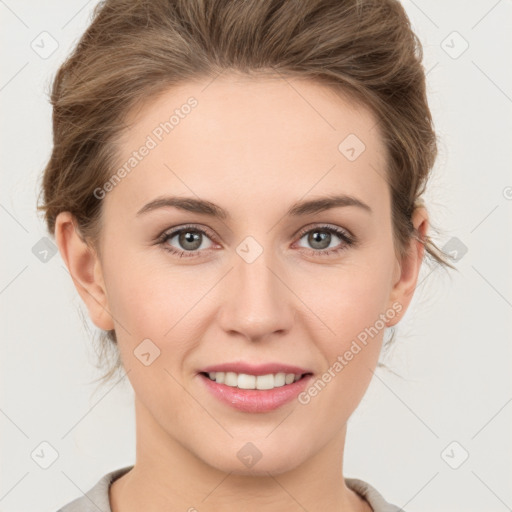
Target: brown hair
134,50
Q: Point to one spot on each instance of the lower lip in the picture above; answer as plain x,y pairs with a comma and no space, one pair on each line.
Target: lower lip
255,400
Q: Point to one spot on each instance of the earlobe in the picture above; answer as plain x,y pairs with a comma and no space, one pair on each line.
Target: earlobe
409,268
85,268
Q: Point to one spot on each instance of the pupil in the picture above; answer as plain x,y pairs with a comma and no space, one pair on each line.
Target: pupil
317,239
189,237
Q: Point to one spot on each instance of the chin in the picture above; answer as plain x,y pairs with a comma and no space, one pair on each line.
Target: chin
253,459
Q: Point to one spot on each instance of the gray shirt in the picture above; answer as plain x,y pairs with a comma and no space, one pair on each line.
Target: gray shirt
97,500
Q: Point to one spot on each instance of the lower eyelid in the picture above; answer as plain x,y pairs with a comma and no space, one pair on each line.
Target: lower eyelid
346,240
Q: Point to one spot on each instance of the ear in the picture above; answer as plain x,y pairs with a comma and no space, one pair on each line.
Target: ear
85,269
407,270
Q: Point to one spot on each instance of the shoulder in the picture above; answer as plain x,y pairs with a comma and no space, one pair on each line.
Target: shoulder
371,495
96,498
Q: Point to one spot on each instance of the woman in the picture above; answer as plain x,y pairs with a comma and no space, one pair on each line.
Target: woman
236,189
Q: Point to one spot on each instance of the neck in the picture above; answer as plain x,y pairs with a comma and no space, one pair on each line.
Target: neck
168,476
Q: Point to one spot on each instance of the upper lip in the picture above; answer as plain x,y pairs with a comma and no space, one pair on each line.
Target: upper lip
255,369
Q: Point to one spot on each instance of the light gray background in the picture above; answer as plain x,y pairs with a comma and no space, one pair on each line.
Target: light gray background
453,347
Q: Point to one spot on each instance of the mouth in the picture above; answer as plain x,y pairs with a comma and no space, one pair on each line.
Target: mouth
254,382
255,389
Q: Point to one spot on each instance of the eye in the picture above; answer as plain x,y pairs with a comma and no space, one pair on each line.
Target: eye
320,239
190,241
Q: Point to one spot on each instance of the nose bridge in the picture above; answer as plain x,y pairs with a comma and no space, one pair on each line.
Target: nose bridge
258,303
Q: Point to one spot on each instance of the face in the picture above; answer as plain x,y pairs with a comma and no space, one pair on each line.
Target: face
281,262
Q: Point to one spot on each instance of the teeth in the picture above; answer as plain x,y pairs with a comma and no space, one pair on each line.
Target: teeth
245,381
280,379
230,379
265,382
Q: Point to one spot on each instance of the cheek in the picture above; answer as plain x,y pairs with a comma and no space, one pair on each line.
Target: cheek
355,314
348,299
353,306
359,305
147,298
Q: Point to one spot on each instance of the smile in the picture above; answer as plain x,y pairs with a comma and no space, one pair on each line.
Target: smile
247,381
240,390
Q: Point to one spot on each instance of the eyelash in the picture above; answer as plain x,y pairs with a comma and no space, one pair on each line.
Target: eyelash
347,239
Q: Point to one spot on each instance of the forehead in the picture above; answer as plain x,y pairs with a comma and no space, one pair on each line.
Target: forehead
254,136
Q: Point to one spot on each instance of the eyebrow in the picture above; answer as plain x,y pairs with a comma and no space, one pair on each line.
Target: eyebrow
298,209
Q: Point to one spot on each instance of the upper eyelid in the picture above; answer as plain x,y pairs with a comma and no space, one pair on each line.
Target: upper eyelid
301,232
175,230
171,232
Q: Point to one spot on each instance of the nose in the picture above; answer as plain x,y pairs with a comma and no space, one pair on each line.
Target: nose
257,302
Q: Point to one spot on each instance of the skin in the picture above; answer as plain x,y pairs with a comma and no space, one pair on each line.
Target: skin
253,146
